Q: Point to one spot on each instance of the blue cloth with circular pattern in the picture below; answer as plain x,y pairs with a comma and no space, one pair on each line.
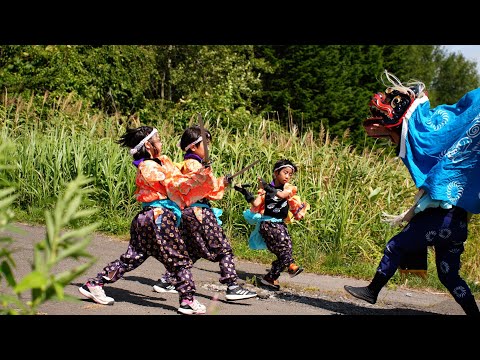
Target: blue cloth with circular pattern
442,151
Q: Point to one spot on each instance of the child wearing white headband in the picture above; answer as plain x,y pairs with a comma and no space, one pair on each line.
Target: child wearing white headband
161,190
201,226
276,205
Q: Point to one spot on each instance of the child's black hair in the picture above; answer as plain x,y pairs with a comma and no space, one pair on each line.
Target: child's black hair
284,162
132,138
191,134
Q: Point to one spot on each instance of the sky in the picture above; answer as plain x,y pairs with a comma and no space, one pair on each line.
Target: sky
470,52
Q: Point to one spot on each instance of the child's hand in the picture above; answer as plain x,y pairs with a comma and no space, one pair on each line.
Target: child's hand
227,180
207,164
267,187
260,182
243,190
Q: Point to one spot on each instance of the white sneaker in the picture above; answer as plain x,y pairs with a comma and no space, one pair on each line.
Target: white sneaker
192,307
96,293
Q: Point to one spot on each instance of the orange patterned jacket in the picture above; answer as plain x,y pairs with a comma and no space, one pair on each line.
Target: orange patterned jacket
213,187
165,181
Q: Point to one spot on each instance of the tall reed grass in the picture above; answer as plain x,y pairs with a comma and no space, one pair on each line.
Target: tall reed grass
347,188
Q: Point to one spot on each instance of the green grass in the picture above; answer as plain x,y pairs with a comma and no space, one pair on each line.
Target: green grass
346,188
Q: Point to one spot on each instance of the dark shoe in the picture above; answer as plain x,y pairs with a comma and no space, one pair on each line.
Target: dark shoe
236,292
470,307
164,287
294,270
363,293
272,284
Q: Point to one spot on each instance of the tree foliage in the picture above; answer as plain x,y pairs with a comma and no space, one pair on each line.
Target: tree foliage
302,86
455,76
332,84
112,78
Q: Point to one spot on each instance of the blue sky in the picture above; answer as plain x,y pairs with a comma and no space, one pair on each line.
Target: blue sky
470,52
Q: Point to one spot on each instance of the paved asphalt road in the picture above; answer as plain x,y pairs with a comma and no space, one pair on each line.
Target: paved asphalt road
306,294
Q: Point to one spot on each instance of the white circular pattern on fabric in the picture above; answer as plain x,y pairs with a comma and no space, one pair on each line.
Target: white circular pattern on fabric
459,151
430,235
460,292
454,251
445,233
406,227
454,190
474,131
438,119
444,267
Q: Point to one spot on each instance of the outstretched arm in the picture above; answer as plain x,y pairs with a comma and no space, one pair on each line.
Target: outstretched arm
242,189
282,194
405,216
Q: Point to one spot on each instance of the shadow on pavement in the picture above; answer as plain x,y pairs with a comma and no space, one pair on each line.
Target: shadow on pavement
337,307
127,296
346,308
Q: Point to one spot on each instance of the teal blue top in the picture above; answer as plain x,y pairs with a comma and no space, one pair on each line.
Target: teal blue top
256,241
167,204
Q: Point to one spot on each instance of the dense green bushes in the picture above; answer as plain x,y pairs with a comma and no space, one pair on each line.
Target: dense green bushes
306,87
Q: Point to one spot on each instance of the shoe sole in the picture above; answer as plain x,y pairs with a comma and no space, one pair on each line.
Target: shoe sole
162,290
274,287
239,297
298,272
347,289
191,311
91,296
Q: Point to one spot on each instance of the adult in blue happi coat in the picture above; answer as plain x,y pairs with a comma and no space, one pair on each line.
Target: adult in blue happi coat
440,148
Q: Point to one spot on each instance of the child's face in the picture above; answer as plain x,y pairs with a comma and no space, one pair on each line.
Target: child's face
199,149
155,146
283,175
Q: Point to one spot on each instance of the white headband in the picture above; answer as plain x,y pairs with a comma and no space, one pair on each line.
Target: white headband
284,166
190,145
141,143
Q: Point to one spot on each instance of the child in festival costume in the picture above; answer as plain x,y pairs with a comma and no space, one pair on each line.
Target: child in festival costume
440,149
276,205
201,226
154,230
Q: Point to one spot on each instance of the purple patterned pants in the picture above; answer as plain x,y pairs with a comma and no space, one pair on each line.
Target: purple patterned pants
207,240
162,242
279,243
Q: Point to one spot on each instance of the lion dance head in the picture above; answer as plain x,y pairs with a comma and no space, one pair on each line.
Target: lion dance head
388,109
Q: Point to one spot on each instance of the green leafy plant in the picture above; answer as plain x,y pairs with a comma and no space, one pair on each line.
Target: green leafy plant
42,282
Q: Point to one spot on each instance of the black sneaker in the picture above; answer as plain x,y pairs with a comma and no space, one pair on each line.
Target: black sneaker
363,293
164,287
236,292
269,282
